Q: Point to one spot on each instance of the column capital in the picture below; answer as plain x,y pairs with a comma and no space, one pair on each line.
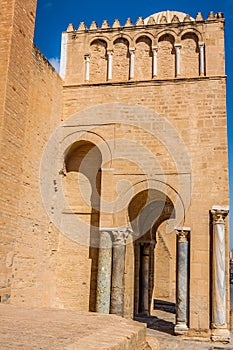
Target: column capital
219,214
178,46
201,44
120,235
109,52
154,48
132,49
87,56
183,233
146,248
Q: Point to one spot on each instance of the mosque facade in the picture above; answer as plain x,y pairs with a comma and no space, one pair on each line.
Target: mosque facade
114,192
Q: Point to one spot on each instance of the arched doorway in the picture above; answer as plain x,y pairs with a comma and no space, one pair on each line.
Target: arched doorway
82,185
148,210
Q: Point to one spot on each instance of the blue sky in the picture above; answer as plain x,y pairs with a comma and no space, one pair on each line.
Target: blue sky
53,17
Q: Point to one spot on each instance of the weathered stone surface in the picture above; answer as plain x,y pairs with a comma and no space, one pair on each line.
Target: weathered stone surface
143,127
44,329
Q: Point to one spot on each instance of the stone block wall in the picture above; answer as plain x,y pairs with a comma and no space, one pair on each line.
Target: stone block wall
16,32
167,125
151,43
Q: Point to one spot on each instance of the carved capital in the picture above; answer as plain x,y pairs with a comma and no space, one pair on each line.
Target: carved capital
219,215
178,46
183,233
87,57
120,236
146,248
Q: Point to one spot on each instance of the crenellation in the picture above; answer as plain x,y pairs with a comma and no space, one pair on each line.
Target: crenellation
105,24
140,21
187,18
141,103
211,16
128,23
116,24
182,42
199,17
93,25
82,26
70,28
163,20
151,21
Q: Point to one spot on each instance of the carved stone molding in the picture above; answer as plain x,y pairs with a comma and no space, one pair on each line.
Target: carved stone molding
120,236
183,233
219,215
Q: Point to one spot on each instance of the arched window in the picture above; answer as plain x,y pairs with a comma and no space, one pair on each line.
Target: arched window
189,55
121,60
143,59
166,57
98,61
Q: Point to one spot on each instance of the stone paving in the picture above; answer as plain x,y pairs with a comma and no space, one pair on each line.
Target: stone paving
51,329
160,327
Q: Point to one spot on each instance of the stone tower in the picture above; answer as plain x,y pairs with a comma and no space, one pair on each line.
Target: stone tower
16,34
120,197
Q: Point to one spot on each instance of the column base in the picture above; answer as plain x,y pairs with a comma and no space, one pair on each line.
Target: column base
180,328
220,335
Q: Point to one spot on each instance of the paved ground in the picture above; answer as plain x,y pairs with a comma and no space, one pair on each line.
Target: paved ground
160,326
43,329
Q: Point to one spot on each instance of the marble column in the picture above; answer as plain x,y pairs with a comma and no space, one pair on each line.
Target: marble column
104,273
220,330
118,268
132,56
87,67
202,59
177,47
109,53
155,69
182,286
145,279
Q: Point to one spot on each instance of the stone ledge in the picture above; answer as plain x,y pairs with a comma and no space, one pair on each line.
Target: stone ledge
46,329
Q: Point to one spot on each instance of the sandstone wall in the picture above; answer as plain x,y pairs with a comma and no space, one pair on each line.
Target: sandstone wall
16,32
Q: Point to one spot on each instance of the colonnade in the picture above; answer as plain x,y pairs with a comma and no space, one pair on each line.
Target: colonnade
111,264
178,48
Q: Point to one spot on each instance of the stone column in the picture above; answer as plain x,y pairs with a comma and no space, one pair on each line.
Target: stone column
104,273
219,319
155,69
145,279
118,268
183,234
109,53
87,66
202,59
177,47
132,56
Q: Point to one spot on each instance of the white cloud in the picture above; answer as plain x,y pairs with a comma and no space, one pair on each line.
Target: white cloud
55,62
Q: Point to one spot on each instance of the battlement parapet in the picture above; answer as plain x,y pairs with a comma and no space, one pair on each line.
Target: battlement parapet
160,19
